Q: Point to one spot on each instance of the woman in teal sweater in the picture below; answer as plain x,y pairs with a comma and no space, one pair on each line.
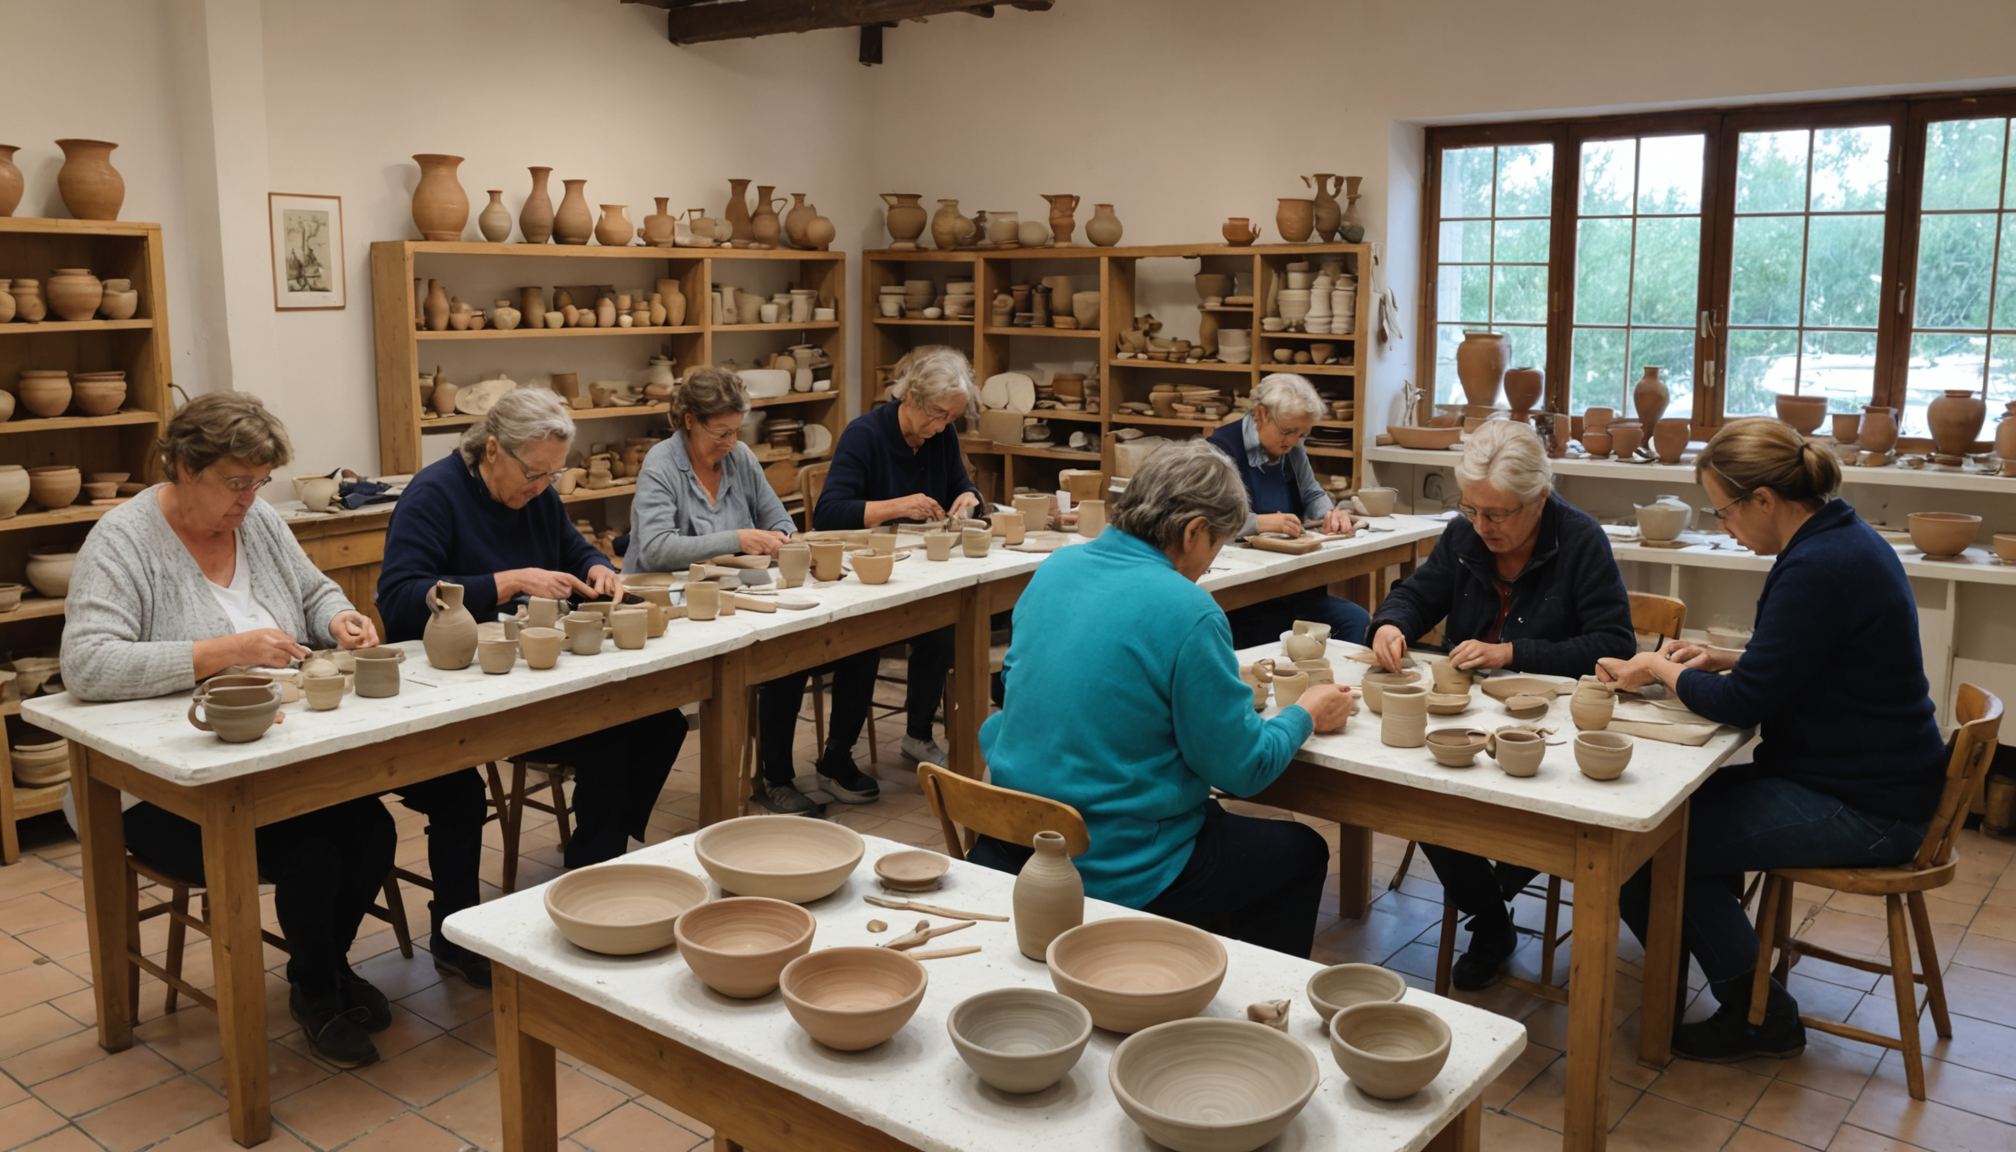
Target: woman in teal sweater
1124,701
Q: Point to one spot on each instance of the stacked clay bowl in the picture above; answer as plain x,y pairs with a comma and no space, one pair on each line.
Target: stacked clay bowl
1390,1051
1342,986
852,998
622,909
1211,1085
1134,972
782,857
739,946
1943,534
1020,1039
41,765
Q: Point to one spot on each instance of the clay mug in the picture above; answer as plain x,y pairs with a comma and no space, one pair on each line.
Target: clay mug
882,543
825,560
938,545
378,671
1375,683
793,562
632,625
1403,719
1289,686
237,715
541,613
657,614
541,646
1517,750
976,541
324,693
584,633
1375,501
497,656
703,599
1009,526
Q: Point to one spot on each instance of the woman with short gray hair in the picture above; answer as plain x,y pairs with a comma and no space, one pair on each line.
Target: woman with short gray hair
1124,700
521,417
1266,449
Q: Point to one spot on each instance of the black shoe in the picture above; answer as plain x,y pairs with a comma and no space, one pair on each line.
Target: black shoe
335,1032
1490,946
782,799
452,959
848,784
1728,1037
358,993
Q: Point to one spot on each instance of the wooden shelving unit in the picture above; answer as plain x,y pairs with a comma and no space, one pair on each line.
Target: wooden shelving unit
1114,272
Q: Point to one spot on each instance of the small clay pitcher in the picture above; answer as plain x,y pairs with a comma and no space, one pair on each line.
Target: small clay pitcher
497,657
631,627
1091,518
324,693
703,599
1009,526
938,545
976,541
1517,750
450,636
541,646
794,561
238,715
1239,231
378,671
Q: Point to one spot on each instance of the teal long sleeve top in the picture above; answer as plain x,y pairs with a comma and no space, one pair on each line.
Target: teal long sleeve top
1124,701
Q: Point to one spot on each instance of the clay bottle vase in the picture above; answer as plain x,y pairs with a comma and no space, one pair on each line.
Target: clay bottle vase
495,220
535,220
1879,429
1049,897
660,226
1350,228
1327,211
765,227
1063,218
532,307
573,223
1955,418
614,230
795,220
737,213
2005,433
819,233
1651,396
91,188
1523,387
906,218
675,302
1669,439
450,636
440,207
948,226
74,293
10,180
1104,227
1480,365
437,307
1295,219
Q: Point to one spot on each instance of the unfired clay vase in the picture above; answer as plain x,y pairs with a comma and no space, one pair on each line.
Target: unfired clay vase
795,220
1524,387
584,632
378,670
1049,896
1650,396
621,909
1295,219
540,646
819,233
1669,439
440,206
614,230
1602,755
1135,972
795,860
1213,1085
794,561
1341,986
852,998
237,715
1592,705
739,946
1943,534
450,636
91,188
906,218
494,222
949,227
535,220
29,307
1390,1051
1480,364
1020,1039
976,542
573,223
1104,228
10,180
1956,418
1878,432
74,293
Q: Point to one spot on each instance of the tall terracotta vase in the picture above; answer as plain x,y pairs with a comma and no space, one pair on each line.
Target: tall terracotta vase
1104,228
2005,433
1879,429
495,220
1480,365
1650,397
450,635
795,220
949,226
1523,387
764,225
1295,219
573,223
91,188
535,220
532,307
440,207
737,214
1956,420
1063,217
10,180
614,230
906,218
1327,213
1049,897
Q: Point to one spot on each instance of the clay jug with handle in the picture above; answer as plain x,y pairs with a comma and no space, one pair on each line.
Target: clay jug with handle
1063,218
450,636
765,227
906,218
1049,896
1328,212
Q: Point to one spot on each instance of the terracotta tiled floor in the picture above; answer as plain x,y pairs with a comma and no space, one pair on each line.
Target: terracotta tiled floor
435,1085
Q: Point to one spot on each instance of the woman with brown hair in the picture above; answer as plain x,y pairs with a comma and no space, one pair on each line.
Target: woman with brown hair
1848,777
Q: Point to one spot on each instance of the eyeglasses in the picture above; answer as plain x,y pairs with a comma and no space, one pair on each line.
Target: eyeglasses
721,437
243,484
531,477
935,415
1722,513
1473,515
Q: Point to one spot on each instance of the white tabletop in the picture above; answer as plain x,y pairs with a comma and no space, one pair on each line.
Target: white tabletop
914,1086
1239,564
1661,776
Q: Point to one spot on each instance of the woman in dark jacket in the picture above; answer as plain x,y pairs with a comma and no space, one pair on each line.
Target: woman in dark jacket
1520,580
1842,779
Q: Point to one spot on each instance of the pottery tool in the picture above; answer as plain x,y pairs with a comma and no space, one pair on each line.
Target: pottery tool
1292,545
944,953
930,909
789,604
913,938
753,604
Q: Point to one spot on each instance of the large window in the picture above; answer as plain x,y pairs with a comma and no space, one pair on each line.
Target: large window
1963,326
1493,252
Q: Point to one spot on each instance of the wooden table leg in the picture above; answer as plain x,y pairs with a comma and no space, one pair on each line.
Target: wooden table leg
1662,949
1463,1133
971,651
1354,871
724,726
102,829
231,871
527,1088
1592,991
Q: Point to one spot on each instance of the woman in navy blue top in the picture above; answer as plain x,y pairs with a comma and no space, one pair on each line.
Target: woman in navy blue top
1841,779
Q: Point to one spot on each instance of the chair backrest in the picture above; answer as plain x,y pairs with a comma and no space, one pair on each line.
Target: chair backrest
1973,748
811,482
1003,813
1660,615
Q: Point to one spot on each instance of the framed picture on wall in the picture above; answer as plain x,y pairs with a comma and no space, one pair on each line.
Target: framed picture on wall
307,252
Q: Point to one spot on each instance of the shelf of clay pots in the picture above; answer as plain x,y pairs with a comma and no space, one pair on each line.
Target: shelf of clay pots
1889,476
598,252
22,422
1083,333
52,326
1265,335
1316,369
552,333
585,494
898,321
1173,421
1181,366
33,608
44,518
445,423
808,326
795,398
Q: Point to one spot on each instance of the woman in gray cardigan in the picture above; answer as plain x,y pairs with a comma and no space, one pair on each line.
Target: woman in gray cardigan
702,494
190,578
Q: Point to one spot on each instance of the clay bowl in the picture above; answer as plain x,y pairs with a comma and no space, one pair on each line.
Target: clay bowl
784,858
622,909
97,397
739,946
1133,972
1341,986
1527,707
1456,747
2005,546
1211,1085
1602,755
852,998
1448,703
1390,1051
1943,534
1020,1039
1803,413
872,567
1408,437
912,871
101,491
54,485
1737,638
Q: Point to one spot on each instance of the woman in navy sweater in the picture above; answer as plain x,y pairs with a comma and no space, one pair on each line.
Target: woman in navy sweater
1841,779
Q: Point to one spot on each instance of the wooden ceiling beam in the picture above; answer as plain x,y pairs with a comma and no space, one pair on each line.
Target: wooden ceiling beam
744,19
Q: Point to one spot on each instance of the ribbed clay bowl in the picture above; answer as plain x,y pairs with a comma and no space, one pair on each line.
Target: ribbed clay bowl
853,998
1133,972
1389,1051
1020,1039
622,909
739,946
1341,986
782,857
1943,533
1211,1085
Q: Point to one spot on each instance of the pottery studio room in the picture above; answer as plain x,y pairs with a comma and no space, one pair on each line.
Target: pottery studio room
714,575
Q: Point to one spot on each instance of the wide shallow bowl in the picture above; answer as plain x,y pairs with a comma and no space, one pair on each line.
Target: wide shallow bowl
1133,972
1211,1085
739,946
1408,437
1341,986
1943,533
622,909
1602,755
917,871
782,857
852,998
1390,1051
1020,1039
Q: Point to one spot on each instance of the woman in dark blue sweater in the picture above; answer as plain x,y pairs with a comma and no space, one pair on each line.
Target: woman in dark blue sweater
1845,778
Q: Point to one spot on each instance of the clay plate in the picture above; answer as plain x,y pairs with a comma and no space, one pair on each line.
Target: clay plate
1133,972
622,909
852,998
782,857
1211,1085
917,871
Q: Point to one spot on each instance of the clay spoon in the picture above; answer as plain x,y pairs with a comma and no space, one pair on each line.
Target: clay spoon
944,953
930,909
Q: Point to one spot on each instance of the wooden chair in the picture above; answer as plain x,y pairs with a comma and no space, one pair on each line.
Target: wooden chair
990,810
1902,887
1550,942
508,809
811,482
1660,615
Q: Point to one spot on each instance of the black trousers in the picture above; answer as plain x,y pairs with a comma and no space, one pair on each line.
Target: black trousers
777,707
326,866
1475,885
930,660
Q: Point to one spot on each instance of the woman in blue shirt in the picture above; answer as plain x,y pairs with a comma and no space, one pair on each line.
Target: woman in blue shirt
1125,702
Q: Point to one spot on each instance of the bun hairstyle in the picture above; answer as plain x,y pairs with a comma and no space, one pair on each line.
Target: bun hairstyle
1759,452
707,393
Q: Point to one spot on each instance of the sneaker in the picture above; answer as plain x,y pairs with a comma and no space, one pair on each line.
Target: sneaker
358,993
1490,946
451,959
336,1033
1728,1037
848,784
924,751
782,799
